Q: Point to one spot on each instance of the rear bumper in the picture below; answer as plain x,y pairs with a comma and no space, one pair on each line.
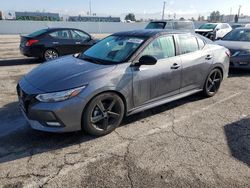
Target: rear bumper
30,51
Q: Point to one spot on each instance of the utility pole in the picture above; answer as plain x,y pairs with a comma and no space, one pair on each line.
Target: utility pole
163,11
230,15
90,9
239,11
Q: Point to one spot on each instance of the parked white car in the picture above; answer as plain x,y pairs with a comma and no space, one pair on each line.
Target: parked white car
214,31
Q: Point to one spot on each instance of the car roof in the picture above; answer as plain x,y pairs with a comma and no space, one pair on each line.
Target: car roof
149,32
60,28
171,21
244,28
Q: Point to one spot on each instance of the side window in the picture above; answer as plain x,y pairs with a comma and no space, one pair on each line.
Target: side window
61,34
224,26
201,43
161,48
188,44
79,35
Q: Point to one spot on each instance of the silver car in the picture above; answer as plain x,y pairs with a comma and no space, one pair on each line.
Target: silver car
125,73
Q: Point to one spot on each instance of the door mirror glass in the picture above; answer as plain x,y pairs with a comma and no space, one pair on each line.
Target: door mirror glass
147,60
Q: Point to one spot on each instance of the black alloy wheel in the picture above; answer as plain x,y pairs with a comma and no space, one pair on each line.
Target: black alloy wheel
213,83
103,114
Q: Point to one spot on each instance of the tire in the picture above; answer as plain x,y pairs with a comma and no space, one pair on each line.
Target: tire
103,114
213,82
50,54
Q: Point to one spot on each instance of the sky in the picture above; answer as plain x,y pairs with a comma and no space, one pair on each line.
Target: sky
142,8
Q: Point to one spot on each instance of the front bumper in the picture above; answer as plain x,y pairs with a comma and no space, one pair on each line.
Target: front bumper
65,116
242,62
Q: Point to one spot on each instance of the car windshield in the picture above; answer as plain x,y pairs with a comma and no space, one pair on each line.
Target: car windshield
37,33
208,26
113,49
238,35
156,25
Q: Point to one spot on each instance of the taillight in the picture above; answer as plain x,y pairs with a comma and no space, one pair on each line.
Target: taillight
31,42
228,53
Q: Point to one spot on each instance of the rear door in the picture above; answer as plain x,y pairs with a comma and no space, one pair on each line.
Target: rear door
196,60
153,82
82,41
61,41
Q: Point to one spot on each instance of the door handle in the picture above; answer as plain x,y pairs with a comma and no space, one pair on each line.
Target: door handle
78,42
55,42
208,57
175,66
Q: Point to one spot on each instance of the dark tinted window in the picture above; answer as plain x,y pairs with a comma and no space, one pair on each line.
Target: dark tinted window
188,44
201,43
238,35
79,35
208,26
37,33
161,48
61,34
156,25
183,25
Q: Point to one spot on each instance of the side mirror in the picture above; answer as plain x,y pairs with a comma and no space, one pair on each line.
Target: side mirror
219,38
147,60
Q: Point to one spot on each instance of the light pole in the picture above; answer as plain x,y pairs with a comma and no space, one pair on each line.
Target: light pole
163,11
239,11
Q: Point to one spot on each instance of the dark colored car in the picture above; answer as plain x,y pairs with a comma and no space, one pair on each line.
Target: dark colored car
51,43
234,26
123,74
172,25
238,42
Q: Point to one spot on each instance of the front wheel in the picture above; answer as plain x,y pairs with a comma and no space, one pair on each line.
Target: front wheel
212,83
103,114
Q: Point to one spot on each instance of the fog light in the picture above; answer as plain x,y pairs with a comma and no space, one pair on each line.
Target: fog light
53,124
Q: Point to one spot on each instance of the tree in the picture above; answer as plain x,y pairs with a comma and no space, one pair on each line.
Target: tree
130,17
1,16
215,16
182,19
236,18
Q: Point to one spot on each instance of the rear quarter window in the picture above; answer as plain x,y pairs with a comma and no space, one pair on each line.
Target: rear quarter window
187,44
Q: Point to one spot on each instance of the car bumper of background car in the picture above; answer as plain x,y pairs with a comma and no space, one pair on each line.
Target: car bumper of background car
242,62
30,51
26,51
65,116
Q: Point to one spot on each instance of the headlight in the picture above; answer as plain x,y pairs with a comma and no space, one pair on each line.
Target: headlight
59,96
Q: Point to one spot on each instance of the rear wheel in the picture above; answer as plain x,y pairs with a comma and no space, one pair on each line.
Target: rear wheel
212,83
103,114
50,54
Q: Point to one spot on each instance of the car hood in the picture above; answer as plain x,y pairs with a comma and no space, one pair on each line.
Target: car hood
204,30
65,73
234,45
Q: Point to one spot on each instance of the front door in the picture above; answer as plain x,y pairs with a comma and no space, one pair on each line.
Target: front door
153,82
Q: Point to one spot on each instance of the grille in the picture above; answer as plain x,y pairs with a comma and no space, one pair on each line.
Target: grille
25,99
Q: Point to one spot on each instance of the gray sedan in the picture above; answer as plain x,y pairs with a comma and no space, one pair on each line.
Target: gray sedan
125,73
